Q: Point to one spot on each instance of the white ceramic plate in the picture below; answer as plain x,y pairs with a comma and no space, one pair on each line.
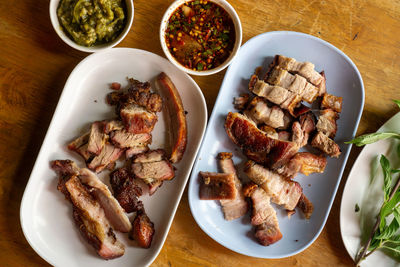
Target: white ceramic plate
46,217
343,79
357,186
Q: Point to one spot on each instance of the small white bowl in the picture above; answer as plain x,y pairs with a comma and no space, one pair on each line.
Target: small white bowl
58,28
238,35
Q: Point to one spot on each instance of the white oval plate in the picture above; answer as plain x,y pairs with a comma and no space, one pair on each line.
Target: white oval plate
354,192
46,217
343,79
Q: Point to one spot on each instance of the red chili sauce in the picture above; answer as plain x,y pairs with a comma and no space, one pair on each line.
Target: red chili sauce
200,35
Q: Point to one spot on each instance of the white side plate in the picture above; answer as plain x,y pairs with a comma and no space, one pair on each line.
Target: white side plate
46,217
355,191
343,79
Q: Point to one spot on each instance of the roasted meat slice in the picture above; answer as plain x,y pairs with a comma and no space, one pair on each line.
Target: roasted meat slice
281,190
238,206
132,151
126,190
217,186
112,125
142,230
305,206
124,139
304,162
80,145
97,138
269,131
150,101
332,102
327,122
109,154
245,134
241,101
137,119
176,121
260,113
114,212
301,129
326,145
298,135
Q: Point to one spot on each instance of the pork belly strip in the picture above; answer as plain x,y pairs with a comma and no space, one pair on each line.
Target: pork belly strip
114,212
294,83
326,145
97,138
137,119
241,101
132,151
124,139
259,112
109,154
80,146
177,118
247,136
282,191
88,214
275,94
332,102
327,122
304,162
237,207
305,69
142,230
306,206
112,125
217,186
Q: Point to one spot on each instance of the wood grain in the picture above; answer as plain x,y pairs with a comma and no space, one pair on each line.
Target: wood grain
35,63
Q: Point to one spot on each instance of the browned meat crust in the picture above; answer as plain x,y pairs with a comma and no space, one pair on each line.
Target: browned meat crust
80,145
332,102
137,119
305,206
132,151
177,118
142,230
97,138
124,139
327,122
260,112
109,154
305,163
326,145
241,101
217,186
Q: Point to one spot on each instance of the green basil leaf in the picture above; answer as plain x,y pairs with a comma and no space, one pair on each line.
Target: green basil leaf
388,207
389,231
397,102
387,177
366,139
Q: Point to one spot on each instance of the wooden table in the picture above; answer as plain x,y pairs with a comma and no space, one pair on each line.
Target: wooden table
35,63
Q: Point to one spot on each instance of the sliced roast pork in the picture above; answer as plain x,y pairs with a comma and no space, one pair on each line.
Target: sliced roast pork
238,206
327,122
282,191
332,102
142,230
137,119
124,139
132,151
326,145
304,162
97,138
260,113
109,154
113,125
305,206
80,145
217,186
241,101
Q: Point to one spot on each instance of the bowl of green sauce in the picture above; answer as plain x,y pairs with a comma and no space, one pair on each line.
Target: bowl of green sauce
91,25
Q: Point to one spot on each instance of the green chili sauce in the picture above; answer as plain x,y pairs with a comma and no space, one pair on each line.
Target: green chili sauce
200,35
92,22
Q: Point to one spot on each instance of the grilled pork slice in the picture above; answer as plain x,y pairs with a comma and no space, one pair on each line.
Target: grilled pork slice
269,131
327,122
114,212
301,130
126,190
275,94
142,230
241,101
237,207
305,206
97,138
217,186
80,145
326,145
305,69
137,119
270,151
332,102
259,112
176,117
132,151
88,214
304,162
109,154
112,125
153,168
124,139
281,190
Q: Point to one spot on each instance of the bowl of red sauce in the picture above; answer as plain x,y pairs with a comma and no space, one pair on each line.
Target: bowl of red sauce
200,37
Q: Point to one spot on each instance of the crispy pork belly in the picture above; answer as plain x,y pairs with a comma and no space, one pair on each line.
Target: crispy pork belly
126,190
245,134
109,154
327,122
326,145
294,83
305,69
241,101
113,125
332,102
284,135
80,145
237,207
281,190
304,162
307,123
305,206
153,168
269,131
275,94
142,230
97,138
132,151
150,101
217,186
137,119
300,110
298,135
176,117
88,214
124,139
114,212
301,129
259,112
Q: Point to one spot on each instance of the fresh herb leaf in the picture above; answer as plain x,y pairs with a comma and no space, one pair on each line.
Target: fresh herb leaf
372,138
397,102
389,231
200,66
387,177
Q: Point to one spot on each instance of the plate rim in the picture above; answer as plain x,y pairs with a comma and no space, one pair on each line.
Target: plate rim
58,110
213,114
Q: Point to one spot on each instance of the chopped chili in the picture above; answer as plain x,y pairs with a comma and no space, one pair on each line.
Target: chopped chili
200,35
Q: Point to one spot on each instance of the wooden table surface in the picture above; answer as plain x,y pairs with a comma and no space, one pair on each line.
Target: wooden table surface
35,63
